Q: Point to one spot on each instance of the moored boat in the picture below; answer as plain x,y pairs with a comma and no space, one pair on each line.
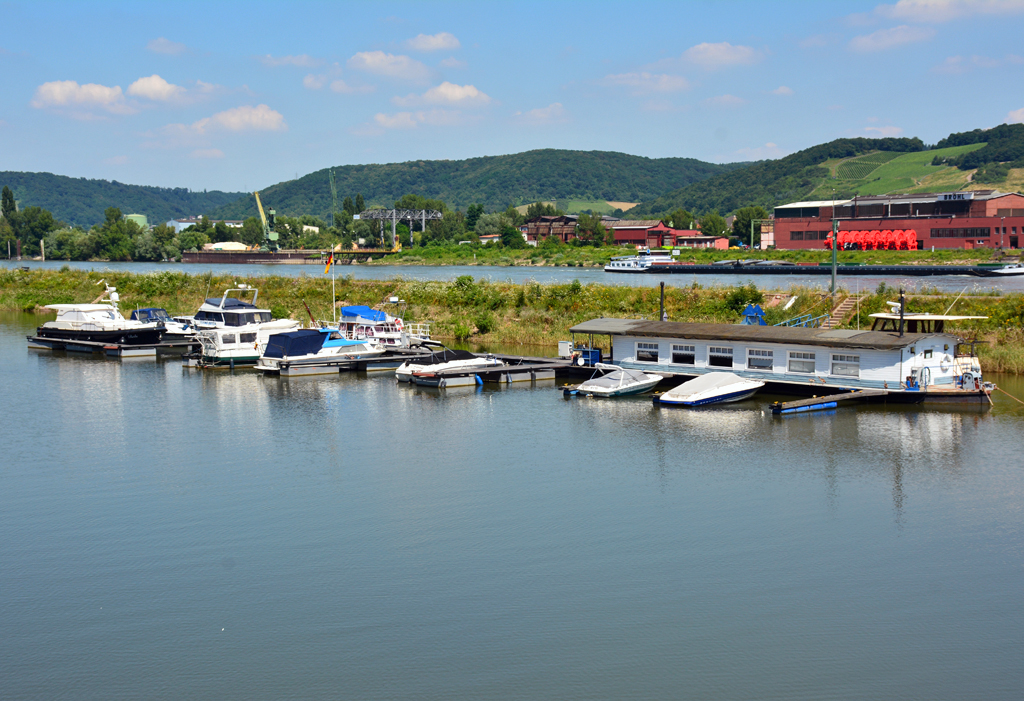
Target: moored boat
98,323
313,352
712,388
618,382
639,263
174,331
423,371
233,332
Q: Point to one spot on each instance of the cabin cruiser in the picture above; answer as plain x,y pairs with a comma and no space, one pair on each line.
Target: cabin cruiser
617,383
174,331
638,263
444,360
232,332
361,322
98,323
712,388
313,352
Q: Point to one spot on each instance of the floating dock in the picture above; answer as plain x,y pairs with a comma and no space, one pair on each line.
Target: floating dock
800,406
119,350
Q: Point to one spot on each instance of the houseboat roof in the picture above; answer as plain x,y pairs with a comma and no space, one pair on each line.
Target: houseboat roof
833,338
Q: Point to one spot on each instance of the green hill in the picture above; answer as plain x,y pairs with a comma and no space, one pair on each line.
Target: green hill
493,181
82,202
848,167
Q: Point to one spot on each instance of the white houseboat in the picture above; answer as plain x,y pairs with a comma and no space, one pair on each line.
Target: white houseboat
233,332
359,322
922,362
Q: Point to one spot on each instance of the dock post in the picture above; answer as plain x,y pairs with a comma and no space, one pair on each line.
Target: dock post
663,316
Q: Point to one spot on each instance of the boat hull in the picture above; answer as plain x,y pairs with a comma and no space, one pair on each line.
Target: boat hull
717,399
124,337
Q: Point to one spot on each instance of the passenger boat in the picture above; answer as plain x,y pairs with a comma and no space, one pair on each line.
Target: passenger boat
619,382
909,356
313,352
1011,269
362,322
174,331
96,323
712,388
417,371
638,263
233,332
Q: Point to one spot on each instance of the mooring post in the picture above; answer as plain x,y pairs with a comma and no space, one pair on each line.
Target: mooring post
663,316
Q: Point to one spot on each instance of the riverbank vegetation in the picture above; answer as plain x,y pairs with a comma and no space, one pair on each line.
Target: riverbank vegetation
509,313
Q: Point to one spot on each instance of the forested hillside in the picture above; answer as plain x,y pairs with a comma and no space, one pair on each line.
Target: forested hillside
769,183
493,181
82,202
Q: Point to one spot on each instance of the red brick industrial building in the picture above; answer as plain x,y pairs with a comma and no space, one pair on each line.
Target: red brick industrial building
969,219
643,233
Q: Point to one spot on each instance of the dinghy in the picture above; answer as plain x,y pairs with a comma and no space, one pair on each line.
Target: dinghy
712,388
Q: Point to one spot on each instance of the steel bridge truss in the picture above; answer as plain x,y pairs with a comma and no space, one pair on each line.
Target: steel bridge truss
397,215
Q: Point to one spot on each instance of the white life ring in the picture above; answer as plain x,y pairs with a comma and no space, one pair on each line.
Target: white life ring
398,324
944,363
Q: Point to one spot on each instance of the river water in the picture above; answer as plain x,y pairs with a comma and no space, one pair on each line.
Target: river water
168,533
562,275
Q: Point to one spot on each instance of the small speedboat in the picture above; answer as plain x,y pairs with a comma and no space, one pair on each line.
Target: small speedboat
617,383
1011,269
712,388
174,331
424,370
313,352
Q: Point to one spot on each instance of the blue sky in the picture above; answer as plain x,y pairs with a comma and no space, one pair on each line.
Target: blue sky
238,96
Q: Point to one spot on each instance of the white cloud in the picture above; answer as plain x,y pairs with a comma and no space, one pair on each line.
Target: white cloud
760,153
446,94
938,11
725,101
340,86
68,93
552,114
245,118
207,153
884,131
721,55
390,66
957,65
301,61
644,82
166,46
442,41
155,88
410,120
783,91
314,82
891,38
452,62
1016,117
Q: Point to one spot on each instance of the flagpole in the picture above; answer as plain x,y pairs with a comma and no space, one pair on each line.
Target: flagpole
334,298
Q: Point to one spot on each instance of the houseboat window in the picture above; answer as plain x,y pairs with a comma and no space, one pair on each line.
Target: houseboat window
262,317
928,354
646,352
247,338
683,355
760,359
234,319
846,365
720,356
209,316
801,362
227,338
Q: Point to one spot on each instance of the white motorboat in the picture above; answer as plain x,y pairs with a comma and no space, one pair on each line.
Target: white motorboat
96,323
441,361
313,352
174,331
361,322
1011,269
233,332
712,388
617,383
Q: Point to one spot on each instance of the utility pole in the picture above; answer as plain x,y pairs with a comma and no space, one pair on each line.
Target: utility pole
835,245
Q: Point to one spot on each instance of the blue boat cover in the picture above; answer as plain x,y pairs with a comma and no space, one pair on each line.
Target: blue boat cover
363,311
149,314
294,343
230,303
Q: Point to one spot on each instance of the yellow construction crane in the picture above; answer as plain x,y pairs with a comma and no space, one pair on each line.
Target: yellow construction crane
269,234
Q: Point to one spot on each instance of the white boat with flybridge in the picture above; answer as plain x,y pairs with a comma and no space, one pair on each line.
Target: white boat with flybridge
712,388
614,382
87,327
903,357
638,263
389,329
232,331
314,352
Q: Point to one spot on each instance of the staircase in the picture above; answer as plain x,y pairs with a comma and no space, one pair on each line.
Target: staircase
840,313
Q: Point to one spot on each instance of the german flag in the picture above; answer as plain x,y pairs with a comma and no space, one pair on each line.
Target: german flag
330,262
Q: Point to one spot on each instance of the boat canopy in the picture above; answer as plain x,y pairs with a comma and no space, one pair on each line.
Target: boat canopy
150,314
616,378
364,312
446,356
293,343
229,303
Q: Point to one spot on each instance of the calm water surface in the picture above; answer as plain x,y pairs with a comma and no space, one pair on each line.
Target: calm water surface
171,534
544,274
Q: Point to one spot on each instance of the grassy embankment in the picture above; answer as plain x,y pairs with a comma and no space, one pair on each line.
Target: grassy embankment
507,313
572,256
